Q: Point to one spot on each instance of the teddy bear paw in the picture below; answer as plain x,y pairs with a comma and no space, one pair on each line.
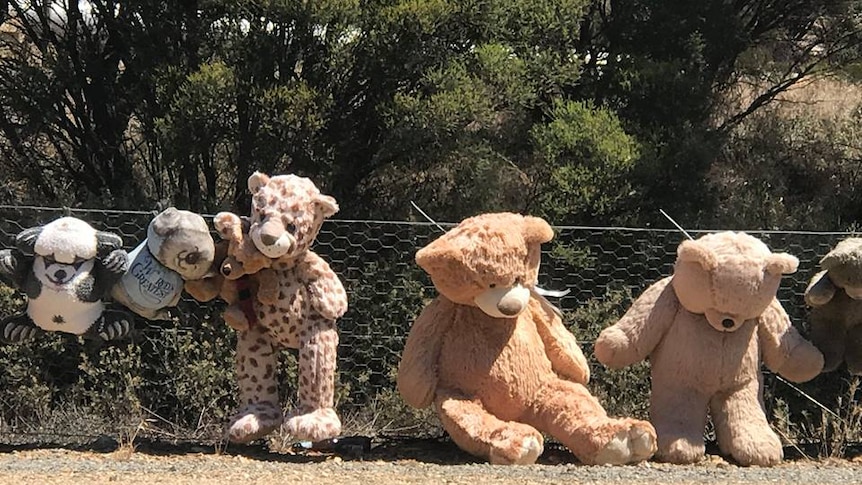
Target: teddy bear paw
253,422
516,444
525,453
112,325
632,445
318,425
18,329
8,262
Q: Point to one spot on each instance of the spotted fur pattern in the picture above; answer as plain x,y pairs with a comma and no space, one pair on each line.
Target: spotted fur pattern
310,299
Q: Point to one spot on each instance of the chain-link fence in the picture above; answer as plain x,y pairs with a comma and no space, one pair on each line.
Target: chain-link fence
175,378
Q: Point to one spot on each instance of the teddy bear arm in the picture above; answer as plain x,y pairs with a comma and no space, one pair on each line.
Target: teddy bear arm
327,294
267,286
634,337
784,350
561,347
417,371
204,289
14,267
820,289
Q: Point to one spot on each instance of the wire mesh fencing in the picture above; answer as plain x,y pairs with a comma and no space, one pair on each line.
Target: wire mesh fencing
174,378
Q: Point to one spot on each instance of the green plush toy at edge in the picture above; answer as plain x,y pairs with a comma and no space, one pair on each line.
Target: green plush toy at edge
835,297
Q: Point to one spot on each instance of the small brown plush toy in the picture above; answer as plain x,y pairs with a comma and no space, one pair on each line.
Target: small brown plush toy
835,297
705,331
242,276
495,360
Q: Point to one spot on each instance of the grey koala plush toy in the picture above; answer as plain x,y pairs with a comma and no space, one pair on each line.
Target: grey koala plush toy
65,268
178,248
835,297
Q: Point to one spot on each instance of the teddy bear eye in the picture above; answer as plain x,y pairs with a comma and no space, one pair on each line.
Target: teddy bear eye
291,228
193,258
492,285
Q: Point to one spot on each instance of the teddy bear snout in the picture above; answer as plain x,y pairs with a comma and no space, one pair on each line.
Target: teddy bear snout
510,306
272,239
503,302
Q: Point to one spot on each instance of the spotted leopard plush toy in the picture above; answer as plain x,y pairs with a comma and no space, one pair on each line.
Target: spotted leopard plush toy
65,268
286,215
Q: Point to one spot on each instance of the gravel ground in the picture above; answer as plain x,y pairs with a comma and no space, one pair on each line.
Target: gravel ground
441,464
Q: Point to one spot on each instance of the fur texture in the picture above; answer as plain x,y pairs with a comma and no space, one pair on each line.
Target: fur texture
499,381
705,331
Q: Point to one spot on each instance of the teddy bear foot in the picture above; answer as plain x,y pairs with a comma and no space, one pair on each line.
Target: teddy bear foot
253,422
632,445
515,444
18,329
111,325
318,425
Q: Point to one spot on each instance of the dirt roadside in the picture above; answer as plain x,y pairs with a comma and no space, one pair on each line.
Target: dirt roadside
410,463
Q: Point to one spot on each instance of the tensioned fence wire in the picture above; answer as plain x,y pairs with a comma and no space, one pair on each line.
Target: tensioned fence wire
177,375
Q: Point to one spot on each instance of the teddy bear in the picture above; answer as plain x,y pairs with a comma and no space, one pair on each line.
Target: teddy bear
835,297
242,274
494,358
65,268
287,213
705,330
178,247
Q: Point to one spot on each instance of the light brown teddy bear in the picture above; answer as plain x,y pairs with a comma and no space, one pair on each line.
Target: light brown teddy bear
286,215
242,274
835,297
494,358
705,330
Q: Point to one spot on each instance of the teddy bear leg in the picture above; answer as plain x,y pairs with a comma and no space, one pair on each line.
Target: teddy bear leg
482,434
830,337
18,329
742,430
259,413
567,411
854,351
314,417
679,416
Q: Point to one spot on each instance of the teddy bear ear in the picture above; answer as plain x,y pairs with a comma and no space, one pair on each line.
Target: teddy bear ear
228,225
781,263
537,230
326,204
434,256
695,252
256,181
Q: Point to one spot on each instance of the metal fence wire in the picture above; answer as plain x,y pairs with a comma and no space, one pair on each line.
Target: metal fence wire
177,376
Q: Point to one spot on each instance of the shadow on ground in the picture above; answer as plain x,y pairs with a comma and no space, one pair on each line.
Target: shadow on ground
435,450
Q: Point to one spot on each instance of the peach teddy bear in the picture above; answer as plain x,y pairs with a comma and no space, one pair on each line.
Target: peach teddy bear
705,331
494,358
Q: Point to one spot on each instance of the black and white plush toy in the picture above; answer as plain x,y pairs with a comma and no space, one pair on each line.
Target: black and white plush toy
65,268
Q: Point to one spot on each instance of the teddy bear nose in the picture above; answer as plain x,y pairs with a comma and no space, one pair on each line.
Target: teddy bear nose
727,323
510,306
268,239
